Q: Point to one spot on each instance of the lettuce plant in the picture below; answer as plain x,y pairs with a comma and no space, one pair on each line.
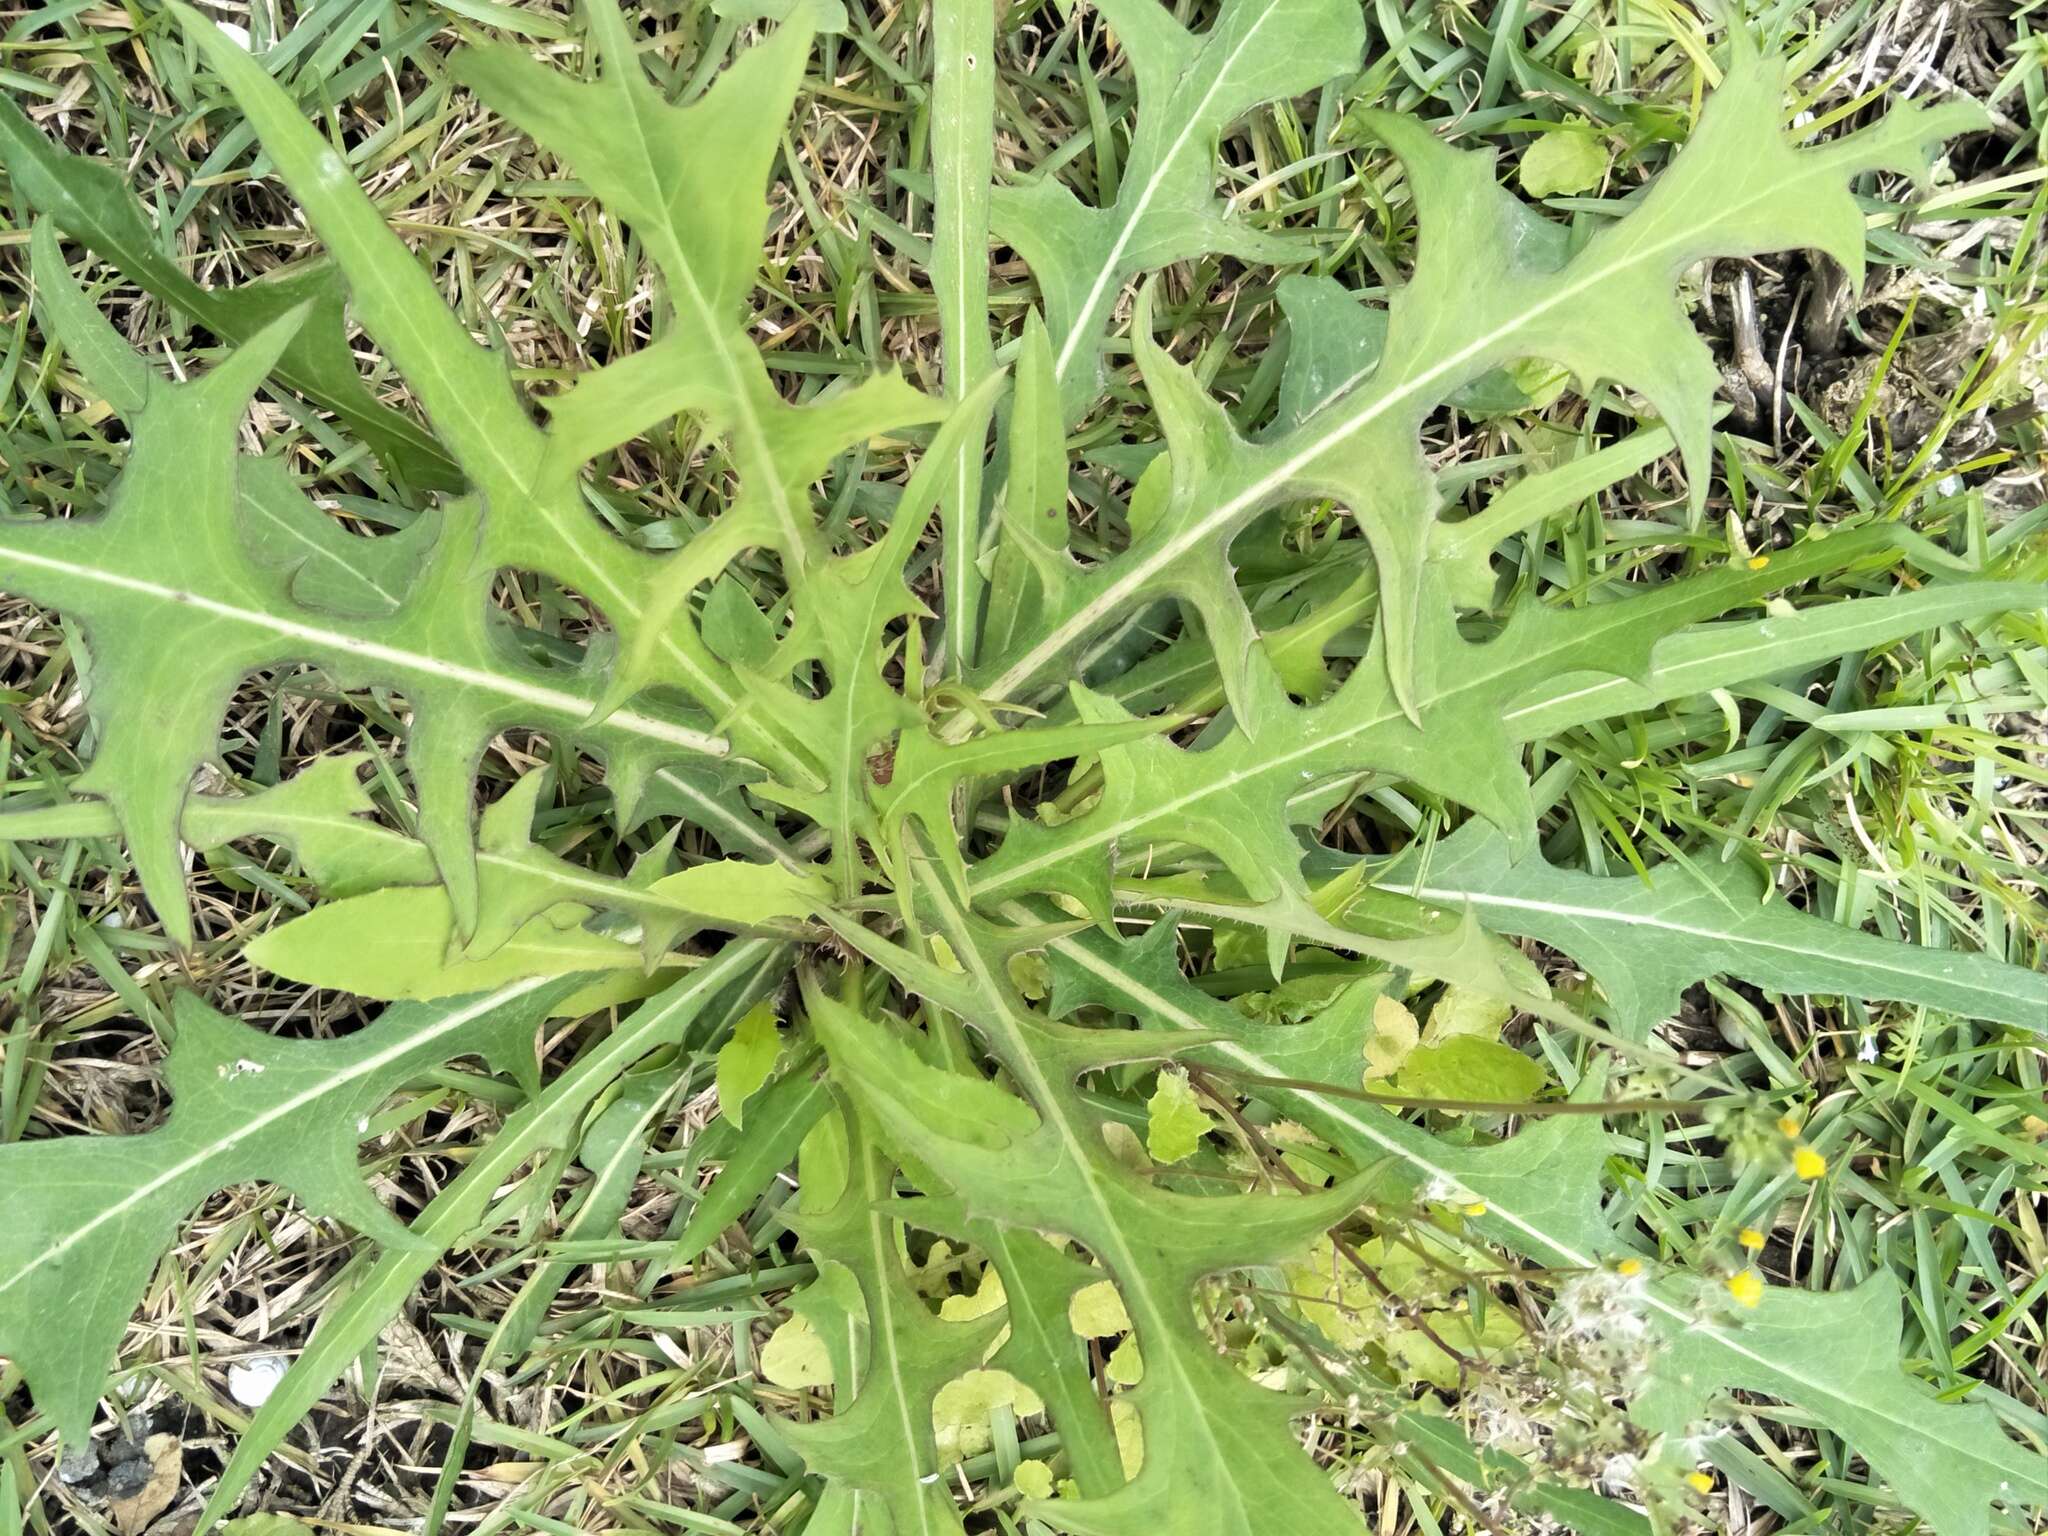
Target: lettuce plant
998,803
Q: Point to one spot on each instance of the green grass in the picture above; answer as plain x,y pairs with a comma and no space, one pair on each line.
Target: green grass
1905,790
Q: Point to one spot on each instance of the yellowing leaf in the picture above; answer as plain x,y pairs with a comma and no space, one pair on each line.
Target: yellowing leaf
1470,1067
1562,160
745,1060
1126,1364
822,1163
1097,1312
1394,1035
617,988
988,1297
795,1356
1423,1358
400,943
963,1406
1174,1122
1033,1479
740,894
1462,1011
1130,1435
1334,1296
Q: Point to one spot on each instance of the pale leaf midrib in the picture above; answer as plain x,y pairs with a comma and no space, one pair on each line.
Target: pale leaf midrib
537,695
1107,273
522,483
493,435
883,1339
1043,1093
1120,590
220,1146
1732,937
747,423
1665,681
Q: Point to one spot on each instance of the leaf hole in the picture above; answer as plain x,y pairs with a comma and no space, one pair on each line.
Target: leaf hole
552,625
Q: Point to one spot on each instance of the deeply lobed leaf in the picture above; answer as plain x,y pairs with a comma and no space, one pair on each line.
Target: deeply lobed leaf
959,1094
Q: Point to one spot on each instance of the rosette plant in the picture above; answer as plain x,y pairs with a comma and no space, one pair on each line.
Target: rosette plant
982,762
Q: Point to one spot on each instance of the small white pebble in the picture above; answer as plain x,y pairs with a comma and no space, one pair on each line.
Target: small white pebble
250,1382
239,35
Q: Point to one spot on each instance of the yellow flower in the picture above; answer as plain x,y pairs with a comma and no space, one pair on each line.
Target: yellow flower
1788,1127
1699,1483
1750,1238
1629,1267
1807,1163
1747,1288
